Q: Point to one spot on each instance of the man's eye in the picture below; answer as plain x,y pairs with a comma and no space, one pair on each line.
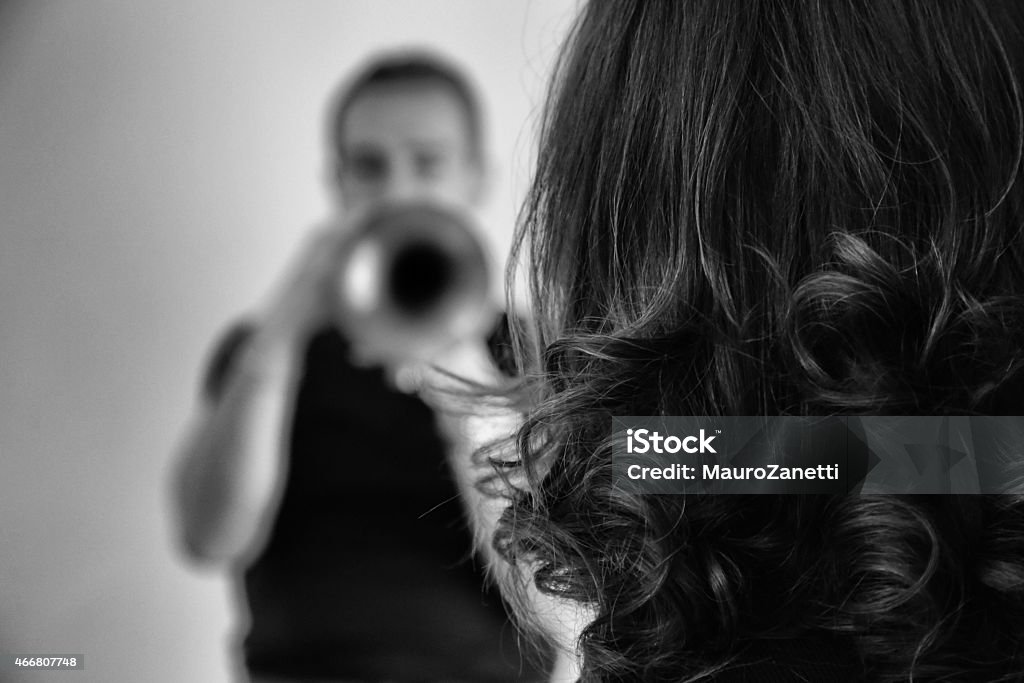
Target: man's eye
429,165
368,168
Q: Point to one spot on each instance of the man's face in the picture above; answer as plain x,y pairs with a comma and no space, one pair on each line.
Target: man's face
407,141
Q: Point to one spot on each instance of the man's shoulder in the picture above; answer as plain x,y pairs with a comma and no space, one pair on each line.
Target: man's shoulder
326,342
222,359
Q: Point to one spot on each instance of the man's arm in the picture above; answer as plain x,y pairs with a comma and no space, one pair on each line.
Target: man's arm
234,458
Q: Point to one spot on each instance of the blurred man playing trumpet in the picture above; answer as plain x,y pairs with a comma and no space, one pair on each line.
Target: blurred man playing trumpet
311,469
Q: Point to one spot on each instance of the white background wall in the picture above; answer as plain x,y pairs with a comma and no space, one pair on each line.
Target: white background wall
159,161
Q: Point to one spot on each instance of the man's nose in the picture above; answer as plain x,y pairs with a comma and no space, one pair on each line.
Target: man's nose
402,186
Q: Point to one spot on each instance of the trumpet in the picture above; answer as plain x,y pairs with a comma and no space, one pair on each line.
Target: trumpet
413,280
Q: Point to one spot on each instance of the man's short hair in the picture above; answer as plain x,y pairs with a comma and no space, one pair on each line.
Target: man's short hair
402,67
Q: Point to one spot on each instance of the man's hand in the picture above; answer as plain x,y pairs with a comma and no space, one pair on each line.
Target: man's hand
304,299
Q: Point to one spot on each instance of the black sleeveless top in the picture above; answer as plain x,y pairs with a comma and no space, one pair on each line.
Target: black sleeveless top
367,574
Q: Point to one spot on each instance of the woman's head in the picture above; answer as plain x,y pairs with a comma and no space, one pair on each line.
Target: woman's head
796,196
769,208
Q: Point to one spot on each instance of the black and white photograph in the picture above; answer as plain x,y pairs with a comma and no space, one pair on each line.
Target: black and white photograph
512,341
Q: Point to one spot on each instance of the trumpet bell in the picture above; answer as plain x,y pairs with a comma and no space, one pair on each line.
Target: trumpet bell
413,280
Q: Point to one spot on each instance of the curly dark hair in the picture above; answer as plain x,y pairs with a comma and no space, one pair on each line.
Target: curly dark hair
754,207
